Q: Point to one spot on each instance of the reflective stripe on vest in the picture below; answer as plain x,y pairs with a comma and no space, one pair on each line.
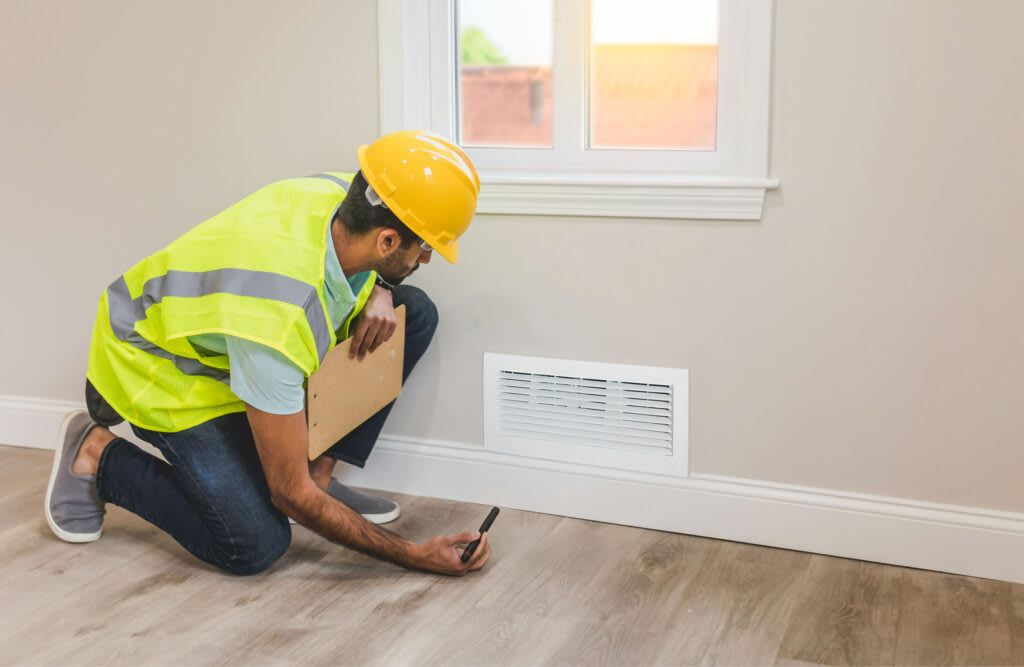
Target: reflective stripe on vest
122,321
125,311
331,177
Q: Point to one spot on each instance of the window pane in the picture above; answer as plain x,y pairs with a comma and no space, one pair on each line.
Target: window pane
504,72
653,73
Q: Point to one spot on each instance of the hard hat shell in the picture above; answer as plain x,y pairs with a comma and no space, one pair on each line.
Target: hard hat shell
427,181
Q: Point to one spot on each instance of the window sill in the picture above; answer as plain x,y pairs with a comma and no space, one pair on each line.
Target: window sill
620,196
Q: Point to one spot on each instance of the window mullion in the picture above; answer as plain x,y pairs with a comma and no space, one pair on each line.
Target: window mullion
443,68
568,79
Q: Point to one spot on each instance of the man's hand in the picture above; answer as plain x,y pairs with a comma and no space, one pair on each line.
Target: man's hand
441,555
375,324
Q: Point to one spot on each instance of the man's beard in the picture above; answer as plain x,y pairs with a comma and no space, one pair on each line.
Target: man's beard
393,271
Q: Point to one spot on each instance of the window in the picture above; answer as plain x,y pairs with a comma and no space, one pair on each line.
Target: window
635,108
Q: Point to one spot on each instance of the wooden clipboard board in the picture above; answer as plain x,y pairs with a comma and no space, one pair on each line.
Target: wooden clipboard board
343,392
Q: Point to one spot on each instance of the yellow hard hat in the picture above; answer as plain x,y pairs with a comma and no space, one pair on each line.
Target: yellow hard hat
427,181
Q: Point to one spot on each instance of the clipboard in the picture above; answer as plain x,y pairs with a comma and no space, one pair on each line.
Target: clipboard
343,392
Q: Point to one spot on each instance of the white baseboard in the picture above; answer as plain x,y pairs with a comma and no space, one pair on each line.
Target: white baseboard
948,538
34,422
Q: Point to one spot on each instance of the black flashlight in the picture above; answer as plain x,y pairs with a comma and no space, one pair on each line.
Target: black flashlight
484,527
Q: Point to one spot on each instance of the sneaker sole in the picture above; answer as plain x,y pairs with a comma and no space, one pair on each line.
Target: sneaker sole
383,518
77,538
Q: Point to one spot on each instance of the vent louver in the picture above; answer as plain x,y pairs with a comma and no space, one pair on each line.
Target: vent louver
592,413
634,416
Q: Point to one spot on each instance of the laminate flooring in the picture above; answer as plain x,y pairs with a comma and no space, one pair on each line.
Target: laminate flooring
557,591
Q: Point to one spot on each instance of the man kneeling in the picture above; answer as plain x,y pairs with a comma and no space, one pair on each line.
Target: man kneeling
204,347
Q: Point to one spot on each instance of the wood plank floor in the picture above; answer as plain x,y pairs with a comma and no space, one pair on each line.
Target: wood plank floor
557,592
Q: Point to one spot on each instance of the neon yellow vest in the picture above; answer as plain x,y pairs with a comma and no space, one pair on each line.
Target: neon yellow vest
255,271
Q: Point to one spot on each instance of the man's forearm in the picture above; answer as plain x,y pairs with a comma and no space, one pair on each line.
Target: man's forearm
282,442
315,509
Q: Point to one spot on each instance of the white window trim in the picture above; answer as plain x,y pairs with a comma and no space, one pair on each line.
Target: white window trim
416,79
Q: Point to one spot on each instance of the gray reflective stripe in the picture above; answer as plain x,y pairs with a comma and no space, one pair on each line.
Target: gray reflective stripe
125,311
337,180
122,320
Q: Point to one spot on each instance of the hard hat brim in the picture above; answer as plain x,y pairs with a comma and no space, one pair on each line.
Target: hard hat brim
450,252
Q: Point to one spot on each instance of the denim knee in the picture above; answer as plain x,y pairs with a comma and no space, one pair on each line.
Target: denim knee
260,550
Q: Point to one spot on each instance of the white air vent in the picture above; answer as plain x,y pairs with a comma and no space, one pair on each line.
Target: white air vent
635,416
611,415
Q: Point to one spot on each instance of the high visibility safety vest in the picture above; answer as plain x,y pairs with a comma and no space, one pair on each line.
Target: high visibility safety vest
255,271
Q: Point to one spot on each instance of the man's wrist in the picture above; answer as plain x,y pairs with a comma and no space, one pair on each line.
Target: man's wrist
383,284
414,554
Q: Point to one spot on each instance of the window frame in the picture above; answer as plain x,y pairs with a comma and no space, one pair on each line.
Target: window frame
417,70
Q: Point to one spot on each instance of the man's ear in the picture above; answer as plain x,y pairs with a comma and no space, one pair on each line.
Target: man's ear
387,241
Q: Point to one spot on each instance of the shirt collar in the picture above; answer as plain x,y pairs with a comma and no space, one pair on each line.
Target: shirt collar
334,278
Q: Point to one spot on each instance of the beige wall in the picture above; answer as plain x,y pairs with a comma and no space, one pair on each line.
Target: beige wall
125,122
864,336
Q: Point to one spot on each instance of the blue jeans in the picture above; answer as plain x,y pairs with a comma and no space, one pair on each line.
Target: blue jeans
211,495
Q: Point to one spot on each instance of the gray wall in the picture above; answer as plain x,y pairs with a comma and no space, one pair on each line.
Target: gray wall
864,336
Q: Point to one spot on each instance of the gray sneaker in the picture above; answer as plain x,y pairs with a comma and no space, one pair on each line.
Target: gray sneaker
73,506
373,508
